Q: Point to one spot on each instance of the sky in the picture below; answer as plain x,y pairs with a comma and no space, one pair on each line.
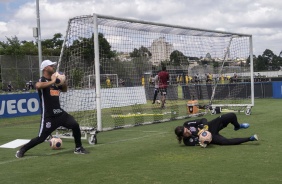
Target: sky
260,18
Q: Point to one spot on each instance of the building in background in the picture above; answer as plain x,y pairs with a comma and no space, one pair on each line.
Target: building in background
160,50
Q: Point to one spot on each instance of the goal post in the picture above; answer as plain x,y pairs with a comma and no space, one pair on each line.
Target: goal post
241,92
130,52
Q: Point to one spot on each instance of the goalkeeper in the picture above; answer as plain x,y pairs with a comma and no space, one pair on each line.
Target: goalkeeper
190,130
52,115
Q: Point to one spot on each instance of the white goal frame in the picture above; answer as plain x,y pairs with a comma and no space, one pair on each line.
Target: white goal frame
186,30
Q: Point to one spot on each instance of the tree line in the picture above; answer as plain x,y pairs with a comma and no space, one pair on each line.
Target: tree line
52,47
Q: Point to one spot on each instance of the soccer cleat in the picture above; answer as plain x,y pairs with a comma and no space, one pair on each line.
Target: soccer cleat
254,137
80,150
242,125
19,154
153,102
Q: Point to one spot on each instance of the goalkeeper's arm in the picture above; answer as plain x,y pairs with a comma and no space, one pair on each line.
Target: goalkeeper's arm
41,85
202,123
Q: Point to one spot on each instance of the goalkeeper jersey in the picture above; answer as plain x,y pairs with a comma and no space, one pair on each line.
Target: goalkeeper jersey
49,99
193,126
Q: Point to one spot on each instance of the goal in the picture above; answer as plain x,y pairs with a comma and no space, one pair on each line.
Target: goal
132,51
107,81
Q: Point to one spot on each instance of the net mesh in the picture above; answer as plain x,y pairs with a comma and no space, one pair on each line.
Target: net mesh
202,66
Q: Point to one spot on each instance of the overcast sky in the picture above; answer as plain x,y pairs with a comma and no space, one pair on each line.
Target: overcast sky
260,18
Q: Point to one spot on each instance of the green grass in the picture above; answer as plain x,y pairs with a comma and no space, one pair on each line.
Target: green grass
150,154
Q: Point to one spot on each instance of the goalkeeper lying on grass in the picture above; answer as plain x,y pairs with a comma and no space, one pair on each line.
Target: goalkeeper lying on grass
191,130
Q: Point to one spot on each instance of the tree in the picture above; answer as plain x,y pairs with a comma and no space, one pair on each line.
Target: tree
2,48
52,47
177,58
29,48
276,62
105,46
11,47
87,47
268,54
261,63
57,40
249,60
141,52
267,61
208,55
215,64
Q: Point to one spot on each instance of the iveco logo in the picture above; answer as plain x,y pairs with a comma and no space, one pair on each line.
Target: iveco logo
19,106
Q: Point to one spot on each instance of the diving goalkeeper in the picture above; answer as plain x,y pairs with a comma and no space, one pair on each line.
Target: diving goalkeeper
190,130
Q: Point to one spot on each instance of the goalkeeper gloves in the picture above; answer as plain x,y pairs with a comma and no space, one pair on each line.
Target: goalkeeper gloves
206,127
201,131
203,145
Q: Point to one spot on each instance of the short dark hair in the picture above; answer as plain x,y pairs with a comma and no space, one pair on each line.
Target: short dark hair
163,68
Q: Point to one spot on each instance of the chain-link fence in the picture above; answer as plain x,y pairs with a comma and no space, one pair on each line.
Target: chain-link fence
19,70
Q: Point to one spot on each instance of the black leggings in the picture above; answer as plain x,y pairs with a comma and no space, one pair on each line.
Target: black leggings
48,125
155,94
221,122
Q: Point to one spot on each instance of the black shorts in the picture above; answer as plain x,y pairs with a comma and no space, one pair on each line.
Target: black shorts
163,91
50,124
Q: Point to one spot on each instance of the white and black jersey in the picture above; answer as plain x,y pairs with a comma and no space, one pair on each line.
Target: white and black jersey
50,99
52,117
193,126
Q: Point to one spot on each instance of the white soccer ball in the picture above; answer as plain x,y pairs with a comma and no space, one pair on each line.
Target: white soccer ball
205,137
158,101
61,78
56,143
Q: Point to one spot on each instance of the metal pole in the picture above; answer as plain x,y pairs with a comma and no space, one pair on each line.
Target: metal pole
252,71
97,74
39,37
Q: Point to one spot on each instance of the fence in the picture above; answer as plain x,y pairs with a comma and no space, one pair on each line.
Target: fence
27,104
18,70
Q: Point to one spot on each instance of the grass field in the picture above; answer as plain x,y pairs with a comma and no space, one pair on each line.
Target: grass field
149,154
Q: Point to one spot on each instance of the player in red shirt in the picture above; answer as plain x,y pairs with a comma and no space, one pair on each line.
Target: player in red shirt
163,83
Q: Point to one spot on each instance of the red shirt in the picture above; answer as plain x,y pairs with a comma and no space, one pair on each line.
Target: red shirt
163,78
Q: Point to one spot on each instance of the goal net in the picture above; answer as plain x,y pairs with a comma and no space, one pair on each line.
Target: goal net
107,81
130,52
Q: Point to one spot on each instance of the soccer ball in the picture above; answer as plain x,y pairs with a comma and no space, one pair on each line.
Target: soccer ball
56,143
205,137
158,101
61,78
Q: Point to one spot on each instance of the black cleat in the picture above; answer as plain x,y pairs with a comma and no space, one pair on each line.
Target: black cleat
254,137
80,150
19,154
242,126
